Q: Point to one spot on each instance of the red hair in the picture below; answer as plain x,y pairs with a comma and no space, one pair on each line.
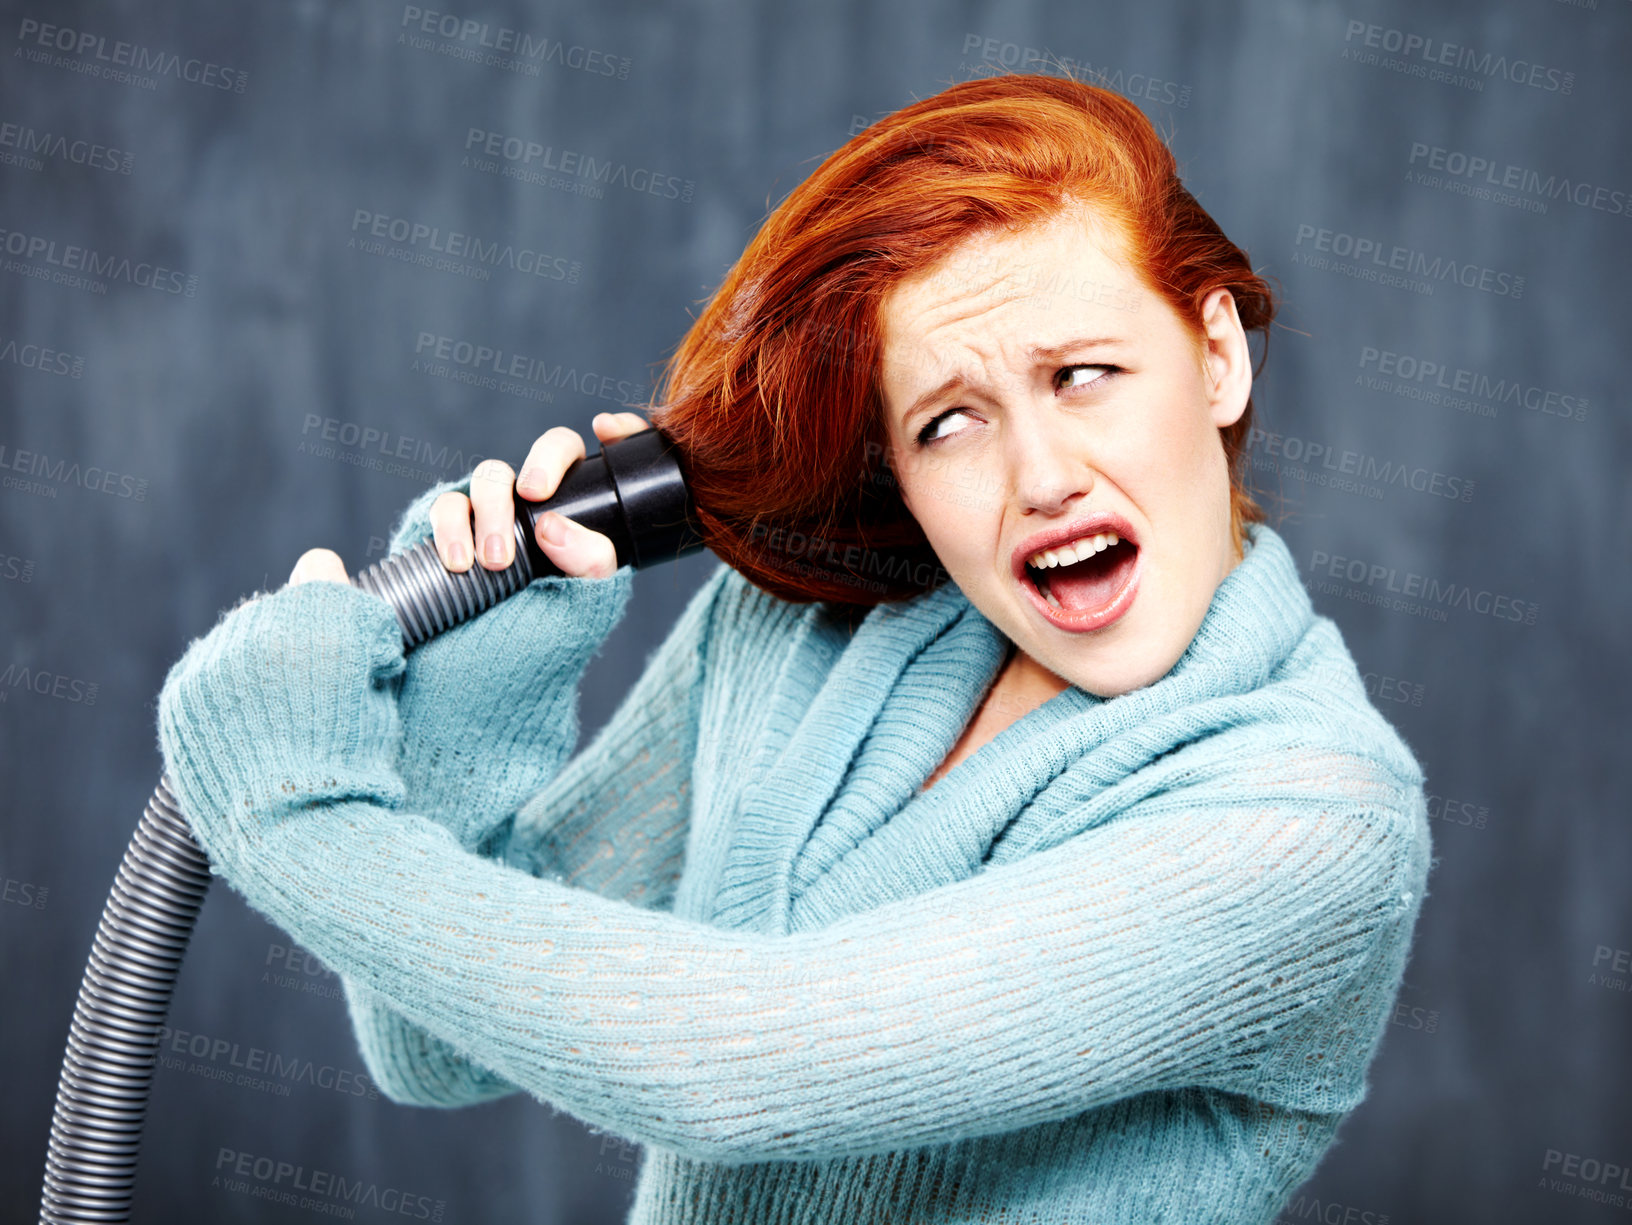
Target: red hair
772,397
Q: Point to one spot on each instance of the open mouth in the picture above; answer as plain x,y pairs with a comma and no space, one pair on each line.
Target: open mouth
1089,590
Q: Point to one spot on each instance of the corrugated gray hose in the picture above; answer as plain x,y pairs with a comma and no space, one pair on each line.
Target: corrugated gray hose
632,491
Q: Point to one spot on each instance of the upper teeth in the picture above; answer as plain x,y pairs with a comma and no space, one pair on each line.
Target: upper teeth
1065,554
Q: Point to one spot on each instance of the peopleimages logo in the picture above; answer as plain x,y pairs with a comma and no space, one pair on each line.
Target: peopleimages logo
431,246
532,161
1434,59
1485,178
38,464
496,369
1328,1212
1458,812
352,443
47,684
1475,391
1318,462
1392,264
16,569
287,1183
795,552
1590,1178
31,145
1012,57
42,358
223,1059
82,267
501,46
127,63
306,973
1379,687
1611,968
1407,591
23,893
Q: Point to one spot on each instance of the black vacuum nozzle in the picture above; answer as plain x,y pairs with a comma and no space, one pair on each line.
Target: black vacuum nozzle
633,492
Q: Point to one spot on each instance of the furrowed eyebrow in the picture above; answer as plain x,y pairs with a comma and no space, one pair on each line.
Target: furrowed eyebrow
955,383
1054,353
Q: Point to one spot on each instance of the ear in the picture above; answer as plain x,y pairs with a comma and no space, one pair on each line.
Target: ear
1226,361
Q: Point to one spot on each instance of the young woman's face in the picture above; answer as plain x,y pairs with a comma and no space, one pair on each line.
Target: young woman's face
1037,395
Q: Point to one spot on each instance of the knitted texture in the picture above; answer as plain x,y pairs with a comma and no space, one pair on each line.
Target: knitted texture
1129,962
490,709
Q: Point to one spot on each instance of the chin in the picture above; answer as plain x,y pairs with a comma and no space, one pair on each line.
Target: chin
1138,648
1122,670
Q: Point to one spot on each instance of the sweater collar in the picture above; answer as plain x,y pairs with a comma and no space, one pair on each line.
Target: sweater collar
1258,615
861,724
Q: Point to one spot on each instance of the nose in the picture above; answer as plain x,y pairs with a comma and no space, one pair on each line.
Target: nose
1046,473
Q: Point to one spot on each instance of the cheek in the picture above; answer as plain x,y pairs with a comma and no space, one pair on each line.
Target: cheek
1178,456
924,481
955,530
904,482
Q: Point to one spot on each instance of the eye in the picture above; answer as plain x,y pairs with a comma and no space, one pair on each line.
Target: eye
1069,378
928,435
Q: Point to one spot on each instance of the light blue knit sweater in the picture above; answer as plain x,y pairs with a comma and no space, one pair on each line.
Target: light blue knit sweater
1129,962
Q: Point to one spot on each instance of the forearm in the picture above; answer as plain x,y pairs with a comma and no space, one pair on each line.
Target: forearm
410,1065
1009,999
613,822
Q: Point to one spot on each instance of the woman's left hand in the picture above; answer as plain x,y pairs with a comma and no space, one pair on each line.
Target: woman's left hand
290,700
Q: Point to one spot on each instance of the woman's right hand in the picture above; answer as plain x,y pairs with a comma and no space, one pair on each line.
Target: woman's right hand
488,710
578,551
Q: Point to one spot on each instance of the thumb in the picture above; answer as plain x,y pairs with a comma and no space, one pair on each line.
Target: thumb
579,552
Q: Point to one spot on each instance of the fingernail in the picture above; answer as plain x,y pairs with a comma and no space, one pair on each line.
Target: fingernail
493,549
527,482
554,527
458,556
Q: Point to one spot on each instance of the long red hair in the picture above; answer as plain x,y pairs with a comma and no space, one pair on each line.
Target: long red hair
772,396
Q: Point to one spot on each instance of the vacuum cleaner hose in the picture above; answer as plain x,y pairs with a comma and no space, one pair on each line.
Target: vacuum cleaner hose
634,491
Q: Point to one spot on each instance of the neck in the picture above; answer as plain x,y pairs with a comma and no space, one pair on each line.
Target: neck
1023,680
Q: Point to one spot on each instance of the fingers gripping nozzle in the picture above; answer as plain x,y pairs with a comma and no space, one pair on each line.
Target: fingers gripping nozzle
633,492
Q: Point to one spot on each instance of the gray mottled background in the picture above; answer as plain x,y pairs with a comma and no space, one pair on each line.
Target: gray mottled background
163,451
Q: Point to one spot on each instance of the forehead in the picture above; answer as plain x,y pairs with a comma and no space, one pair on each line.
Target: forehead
1069,271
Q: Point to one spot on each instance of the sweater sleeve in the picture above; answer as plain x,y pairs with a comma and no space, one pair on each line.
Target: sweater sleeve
488,712
489,709
614,820
1172,947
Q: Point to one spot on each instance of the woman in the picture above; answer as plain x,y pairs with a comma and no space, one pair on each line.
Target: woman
1075,888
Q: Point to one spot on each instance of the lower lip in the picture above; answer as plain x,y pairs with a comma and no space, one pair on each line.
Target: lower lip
1086,620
